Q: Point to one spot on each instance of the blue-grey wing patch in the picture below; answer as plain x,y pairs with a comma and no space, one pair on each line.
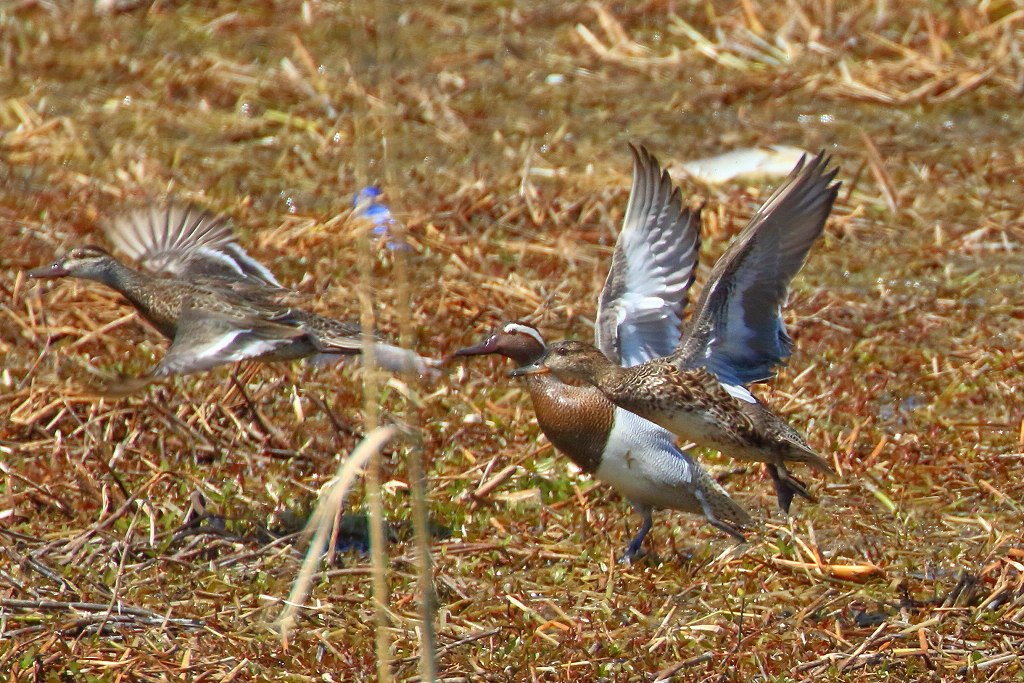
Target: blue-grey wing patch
737,331
641,306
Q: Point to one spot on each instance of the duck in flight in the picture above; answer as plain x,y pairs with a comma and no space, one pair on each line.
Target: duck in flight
215,303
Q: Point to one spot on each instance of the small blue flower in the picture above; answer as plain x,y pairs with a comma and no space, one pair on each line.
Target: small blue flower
365,203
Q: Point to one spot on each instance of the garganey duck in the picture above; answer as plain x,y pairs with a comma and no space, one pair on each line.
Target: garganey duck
204,292
735,337
639,315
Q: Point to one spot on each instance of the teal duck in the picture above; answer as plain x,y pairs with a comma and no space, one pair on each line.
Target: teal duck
639,314
735,337
215,303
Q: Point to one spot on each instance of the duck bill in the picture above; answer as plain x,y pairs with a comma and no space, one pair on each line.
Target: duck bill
49,272
527,370
489,345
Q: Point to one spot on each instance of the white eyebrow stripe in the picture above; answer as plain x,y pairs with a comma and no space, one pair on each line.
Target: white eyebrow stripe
524,329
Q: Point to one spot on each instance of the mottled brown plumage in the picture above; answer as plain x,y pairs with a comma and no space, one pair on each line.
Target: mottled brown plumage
636,457
736,334
693,404
576,419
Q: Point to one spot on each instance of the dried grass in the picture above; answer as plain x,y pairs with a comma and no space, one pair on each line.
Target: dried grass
147,537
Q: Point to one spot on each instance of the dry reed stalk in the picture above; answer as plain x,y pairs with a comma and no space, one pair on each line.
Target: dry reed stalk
323,522
388,41
371,405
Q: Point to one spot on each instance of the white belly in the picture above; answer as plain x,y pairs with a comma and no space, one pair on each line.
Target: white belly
642,463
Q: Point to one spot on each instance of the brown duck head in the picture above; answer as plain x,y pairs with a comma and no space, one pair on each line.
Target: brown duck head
569,360
88,262
517,341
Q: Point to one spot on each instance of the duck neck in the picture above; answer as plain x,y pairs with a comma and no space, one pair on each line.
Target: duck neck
524,355
120,277
149,295
603,372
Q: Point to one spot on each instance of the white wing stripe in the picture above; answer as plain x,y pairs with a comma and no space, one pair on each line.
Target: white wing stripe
737,391
218,344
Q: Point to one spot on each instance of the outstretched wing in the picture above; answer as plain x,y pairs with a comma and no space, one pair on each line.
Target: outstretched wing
640,309
187,243
206,339
737,331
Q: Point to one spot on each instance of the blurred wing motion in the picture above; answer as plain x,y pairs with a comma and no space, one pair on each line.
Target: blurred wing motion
187,243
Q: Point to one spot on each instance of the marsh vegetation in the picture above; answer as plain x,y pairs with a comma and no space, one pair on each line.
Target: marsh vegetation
148,537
